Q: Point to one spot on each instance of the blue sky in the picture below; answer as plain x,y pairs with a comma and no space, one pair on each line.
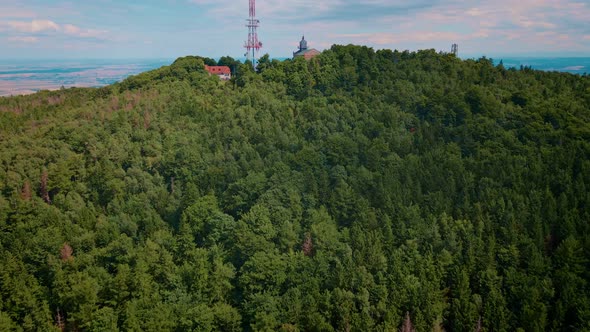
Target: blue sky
42,29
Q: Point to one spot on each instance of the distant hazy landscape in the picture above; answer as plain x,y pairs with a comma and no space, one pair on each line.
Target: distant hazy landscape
19,77
569,65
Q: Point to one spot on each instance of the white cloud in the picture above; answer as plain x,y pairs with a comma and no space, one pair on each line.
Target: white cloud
27,39
483,19
73,30
419,36
43,25
7,11
33,26
271,9
46,26
483,26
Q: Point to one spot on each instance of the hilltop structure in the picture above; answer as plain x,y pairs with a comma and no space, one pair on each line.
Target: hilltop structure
253,45
223,72
307,53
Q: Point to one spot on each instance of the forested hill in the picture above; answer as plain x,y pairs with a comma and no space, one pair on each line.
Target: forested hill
359,191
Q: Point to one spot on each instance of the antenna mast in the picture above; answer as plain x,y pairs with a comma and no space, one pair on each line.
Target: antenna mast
253,45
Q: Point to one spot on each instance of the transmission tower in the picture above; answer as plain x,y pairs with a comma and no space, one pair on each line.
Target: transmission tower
455,49
253,45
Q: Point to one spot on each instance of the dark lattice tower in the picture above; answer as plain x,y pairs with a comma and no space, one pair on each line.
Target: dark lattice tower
455,49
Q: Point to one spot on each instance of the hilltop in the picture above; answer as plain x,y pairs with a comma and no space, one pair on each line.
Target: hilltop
360,191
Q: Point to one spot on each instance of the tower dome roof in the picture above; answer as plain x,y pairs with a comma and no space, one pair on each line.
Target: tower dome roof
303,43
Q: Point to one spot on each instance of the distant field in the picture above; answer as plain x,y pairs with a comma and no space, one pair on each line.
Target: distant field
569,65
20,77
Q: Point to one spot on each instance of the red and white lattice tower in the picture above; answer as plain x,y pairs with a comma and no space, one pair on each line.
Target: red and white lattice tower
253,45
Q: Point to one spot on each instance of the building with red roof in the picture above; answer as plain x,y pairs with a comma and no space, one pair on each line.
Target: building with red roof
223,72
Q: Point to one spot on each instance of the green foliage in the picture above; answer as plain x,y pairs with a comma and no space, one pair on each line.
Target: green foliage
357,191
228,61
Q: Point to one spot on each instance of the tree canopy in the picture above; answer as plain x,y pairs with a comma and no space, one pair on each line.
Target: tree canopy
361,190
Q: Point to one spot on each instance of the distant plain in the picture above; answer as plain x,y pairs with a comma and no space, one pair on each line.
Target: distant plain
18,77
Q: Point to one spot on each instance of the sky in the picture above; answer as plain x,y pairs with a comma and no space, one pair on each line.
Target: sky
126,29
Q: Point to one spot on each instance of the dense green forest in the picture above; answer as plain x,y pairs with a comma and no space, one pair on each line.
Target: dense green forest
360,191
